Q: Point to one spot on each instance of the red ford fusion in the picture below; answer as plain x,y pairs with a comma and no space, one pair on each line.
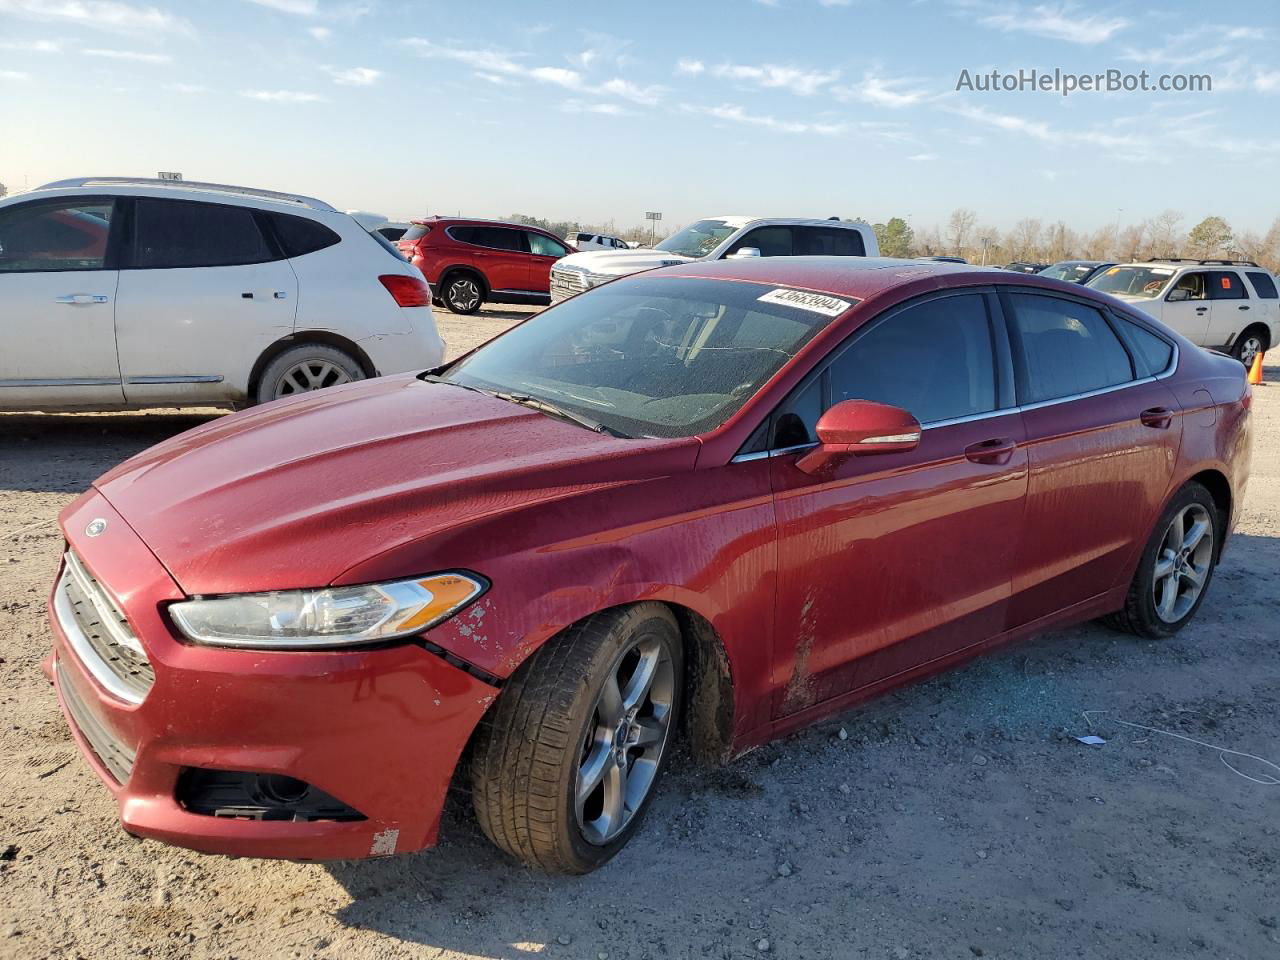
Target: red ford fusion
715,503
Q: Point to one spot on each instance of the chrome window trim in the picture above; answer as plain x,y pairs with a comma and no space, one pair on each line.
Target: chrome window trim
209,378
84,652
1003,412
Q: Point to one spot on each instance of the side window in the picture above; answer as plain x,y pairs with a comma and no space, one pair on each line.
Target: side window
544,246
499,238
462,234
1263,286
1193,283
1156,351
181,233
1226,285
770,241
62,235
795,421
828,242
299,236
1067,348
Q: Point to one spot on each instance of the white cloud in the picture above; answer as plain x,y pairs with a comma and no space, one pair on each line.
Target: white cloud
354,76
608,109
187,88
921,157
14,75
132,55
690,68
282,96
320,33
490,65
101,14
736,114
771,76
304,8
32,46
1062,21
835,3
1267,81
881,92
1039,130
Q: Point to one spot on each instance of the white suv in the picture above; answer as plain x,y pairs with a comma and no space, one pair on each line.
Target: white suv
715,239
597,241
1230,305
119,292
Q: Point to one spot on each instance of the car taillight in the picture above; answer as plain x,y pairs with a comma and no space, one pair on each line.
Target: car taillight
407,291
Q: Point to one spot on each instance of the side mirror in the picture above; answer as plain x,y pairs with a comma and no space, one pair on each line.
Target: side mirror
854,428
744,253
1178,293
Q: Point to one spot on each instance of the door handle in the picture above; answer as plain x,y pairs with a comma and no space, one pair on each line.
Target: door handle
995,452
1157,417
1243,307
1201,309
81,298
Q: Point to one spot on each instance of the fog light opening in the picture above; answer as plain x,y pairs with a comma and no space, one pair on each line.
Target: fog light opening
276,788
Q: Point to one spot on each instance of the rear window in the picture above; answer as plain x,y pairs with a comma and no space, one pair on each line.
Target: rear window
183,233
299,236
1156,351
828,242
1263,285
1067,348
416,232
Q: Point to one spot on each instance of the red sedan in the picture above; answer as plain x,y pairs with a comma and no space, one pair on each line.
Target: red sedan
716,502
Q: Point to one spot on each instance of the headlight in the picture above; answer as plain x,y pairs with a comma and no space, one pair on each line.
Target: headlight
329,617
590,280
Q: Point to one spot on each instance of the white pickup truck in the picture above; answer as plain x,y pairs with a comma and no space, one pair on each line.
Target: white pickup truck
1230,305
716,238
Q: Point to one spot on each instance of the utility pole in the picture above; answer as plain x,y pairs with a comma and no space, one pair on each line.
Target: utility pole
985,241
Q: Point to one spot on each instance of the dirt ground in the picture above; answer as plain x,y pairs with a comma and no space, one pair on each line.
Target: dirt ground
957,818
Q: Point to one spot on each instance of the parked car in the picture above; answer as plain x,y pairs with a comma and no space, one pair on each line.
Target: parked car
598,241
717,238
120,292
700,503
1076,271
472,262
1230,305
1022,266
393,230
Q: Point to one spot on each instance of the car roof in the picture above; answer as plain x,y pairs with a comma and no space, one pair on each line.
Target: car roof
437,220
177,189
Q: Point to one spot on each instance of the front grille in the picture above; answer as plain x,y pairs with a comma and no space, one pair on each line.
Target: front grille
565,284
100,634
114,755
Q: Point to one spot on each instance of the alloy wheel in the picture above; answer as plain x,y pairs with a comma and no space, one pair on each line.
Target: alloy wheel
310,375
1250,348
1183,563
464,294
624,743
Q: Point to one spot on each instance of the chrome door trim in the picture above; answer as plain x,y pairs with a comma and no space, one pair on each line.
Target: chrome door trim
69,382
177,378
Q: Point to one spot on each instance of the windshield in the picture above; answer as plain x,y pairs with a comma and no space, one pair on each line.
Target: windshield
1071,272
1145,282
652,357
698,239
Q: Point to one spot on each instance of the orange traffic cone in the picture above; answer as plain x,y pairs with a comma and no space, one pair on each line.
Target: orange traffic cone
1255,372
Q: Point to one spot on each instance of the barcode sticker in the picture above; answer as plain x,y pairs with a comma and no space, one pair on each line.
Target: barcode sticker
804,300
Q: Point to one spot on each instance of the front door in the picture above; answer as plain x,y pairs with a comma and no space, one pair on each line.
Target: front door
543,252
1187,307
57,326
899,559
202,295
1103,436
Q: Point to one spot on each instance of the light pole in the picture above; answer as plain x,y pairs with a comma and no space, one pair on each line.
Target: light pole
985,241
653,217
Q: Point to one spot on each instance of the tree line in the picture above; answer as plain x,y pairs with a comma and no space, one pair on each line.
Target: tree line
1032,240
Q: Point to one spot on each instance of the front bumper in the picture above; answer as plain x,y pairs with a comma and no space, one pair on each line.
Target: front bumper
381,730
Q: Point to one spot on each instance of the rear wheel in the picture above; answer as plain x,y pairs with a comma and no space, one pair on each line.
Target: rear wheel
306,367
1249,344
463,293
567,760
1176,567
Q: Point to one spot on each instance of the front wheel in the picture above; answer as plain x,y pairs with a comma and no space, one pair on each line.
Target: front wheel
1176,567
566,762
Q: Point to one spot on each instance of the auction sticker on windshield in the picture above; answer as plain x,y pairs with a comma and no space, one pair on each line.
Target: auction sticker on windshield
804,300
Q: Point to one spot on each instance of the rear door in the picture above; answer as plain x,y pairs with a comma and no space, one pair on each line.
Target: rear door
57,303
1103,433
1187,307
500,253
543,252
827,242
1231,309
203,292
899,559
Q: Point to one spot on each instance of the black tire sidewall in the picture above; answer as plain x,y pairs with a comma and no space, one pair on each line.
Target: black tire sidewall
1142,609
643,620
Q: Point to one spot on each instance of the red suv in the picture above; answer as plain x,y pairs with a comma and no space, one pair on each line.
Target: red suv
468,262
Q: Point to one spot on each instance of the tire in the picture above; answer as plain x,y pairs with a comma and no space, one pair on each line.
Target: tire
1253,341
463,293
306,367
547,734
1149,610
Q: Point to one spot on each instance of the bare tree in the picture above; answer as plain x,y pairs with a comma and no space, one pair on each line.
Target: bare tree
1025,240
960,229
1164,237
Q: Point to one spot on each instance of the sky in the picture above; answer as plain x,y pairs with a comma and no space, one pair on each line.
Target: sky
600,112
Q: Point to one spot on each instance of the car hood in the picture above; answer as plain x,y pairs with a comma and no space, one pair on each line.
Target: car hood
294,493
619,263
1145,304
